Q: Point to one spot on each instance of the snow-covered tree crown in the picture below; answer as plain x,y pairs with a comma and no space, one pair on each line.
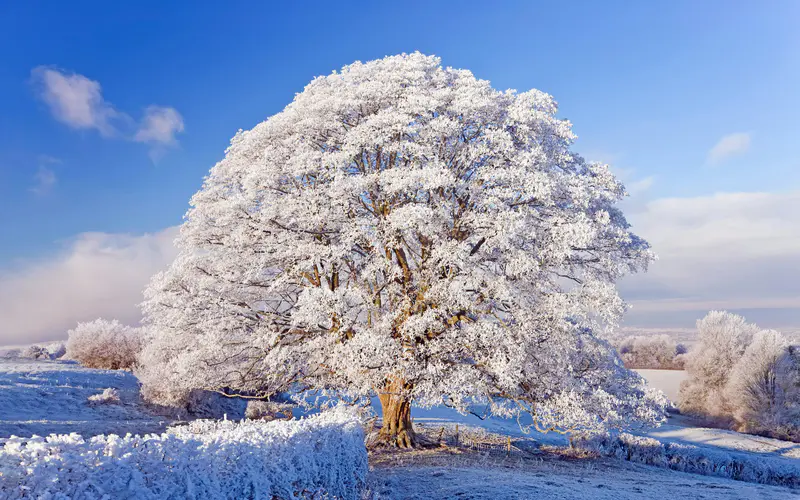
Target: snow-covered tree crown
404,221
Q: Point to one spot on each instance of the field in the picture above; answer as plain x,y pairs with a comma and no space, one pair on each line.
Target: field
43,397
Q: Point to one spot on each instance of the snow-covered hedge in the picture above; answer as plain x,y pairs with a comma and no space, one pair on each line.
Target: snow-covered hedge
693,459
317,456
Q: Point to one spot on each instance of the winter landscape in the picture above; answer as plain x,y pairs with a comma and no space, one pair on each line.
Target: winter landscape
401,278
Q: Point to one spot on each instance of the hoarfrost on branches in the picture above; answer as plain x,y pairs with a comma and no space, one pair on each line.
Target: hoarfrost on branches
104,344
404,229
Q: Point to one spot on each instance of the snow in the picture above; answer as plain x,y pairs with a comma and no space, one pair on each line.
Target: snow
320,455
487,479
44,397
667,381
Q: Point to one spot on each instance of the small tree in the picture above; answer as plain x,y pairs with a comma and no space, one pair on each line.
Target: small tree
407,230
104,344
723,338
754,389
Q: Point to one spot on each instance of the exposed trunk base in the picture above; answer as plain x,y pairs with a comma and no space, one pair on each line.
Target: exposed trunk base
397,429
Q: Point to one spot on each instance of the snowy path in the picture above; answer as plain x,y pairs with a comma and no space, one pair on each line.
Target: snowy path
43,397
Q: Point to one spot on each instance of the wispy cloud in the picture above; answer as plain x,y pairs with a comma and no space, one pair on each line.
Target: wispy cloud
640,185
78,102
729,146
97,274
75,100
159,125
45,178
158,129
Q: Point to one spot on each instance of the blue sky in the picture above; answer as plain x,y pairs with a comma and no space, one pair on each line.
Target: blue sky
684,99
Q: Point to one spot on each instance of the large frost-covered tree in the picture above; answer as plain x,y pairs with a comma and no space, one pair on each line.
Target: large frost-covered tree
405,230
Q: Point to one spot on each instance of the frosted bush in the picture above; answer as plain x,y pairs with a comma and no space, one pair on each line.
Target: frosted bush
692,459
318,456
267,410
108,396
34,352
104,344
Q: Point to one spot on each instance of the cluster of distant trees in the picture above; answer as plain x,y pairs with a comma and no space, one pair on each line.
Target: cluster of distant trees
743,376
658,352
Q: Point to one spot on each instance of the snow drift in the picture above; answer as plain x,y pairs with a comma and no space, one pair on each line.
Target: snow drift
318,456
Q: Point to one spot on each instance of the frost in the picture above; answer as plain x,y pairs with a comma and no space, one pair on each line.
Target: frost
321,455
108,396
109,345
693,459
405,229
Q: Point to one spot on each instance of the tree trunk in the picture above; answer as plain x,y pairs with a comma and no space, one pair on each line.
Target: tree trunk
396,409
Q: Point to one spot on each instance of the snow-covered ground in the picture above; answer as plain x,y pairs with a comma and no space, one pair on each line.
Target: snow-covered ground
482,478
681,429
43,397
667,381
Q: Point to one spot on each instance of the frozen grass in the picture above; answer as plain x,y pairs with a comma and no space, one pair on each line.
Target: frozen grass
52,397
694,459
446,474
318,456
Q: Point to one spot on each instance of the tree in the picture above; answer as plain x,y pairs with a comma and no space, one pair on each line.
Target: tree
109,345
405,230
754,388
723,338
653,352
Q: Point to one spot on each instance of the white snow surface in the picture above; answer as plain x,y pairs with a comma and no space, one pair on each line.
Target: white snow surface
52,397
320,455
602,479
44,397
667,381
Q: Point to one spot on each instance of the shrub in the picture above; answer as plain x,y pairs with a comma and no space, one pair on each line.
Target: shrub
34,352
104,344
108,396
320,457
268,410
692,459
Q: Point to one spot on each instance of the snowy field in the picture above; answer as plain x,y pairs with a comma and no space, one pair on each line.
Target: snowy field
481,478
667,381
44,397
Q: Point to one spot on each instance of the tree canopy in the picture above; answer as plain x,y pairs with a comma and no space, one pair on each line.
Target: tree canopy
405,229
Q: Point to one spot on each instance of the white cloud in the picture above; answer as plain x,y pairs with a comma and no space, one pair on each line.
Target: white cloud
98,274
724,251
45,180
78,102
159,125
729,146
75,100
639,186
